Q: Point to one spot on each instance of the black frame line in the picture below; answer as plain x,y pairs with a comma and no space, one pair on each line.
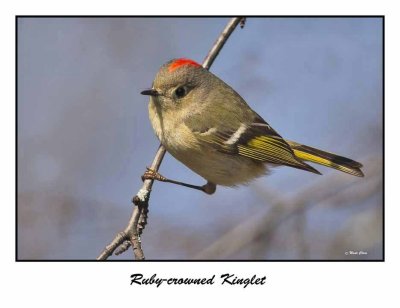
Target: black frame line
199,16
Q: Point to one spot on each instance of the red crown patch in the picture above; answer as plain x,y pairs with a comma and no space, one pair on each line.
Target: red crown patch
180,62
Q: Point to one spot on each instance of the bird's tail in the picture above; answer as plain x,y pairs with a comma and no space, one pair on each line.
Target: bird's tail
327,159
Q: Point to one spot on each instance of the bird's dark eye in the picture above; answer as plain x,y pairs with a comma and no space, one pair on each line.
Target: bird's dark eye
180,92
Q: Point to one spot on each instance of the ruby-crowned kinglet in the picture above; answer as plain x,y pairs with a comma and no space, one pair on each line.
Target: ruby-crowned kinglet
207,126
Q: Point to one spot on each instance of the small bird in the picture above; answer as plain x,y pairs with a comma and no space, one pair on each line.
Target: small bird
206,125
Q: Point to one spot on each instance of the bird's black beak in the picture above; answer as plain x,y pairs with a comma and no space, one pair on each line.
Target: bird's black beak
150,92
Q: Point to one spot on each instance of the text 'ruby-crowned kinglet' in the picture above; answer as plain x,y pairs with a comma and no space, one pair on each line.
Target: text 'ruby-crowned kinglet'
207,126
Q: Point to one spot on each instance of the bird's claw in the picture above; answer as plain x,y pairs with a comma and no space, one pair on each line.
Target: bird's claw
151,174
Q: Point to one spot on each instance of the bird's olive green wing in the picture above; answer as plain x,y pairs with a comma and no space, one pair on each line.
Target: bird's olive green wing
252,138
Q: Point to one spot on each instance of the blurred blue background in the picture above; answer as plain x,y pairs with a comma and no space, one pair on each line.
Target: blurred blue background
84,138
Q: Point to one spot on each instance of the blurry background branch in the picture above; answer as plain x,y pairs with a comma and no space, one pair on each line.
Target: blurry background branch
256,231
131,234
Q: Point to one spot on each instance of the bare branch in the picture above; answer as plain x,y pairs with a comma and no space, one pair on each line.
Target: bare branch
220,42
131,235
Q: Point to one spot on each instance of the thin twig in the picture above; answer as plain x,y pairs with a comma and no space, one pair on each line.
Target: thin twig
131,235
220,42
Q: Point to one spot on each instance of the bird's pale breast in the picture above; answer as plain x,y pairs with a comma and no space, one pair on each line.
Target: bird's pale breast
216,167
